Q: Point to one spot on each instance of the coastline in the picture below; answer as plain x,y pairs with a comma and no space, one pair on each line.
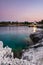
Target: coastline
30,56
13,25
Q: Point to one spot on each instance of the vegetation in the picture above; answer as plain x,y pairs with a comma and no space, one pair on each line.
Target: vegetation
25,23
8,23
40,22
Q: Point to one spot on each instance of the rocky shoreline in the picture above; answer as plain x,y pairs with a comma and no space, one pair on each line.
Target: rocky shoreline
37,36
31,56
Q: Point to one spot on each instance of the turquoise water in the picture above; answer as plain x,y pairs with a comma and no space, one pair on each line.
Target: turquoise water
14,37
13,41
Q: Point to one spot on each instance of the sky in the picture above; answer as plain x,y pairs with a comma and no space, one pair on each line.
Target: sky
21,10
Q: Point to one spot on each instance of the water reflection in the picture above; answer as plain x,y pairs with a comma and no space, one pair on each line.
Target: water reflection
34,28
16,30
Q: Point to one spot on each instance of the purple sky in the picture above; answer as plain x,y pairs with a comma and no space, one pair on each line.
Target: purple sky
21,10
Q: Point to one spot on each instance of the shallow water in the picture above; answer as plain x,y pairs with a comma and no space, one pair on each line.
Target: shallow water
14,37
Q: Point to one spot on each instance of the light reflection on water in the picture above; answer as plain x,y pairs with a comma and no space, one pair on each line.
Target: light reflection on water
14,36
16,30
34,29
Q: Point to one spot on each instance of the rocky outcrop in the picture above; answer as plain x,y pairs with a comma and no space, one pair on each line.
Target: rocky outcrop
34,54
31,56
36,36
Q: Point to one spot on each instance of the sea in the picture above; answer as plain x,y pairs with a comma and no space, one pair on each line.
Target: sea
15,36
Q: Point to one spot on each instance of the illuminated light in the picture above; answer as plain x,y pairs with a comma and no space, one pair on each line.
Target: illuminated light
34,28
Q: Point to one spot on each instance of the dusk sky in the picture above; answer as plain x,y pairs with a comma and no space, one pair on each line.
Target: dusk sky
21,10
